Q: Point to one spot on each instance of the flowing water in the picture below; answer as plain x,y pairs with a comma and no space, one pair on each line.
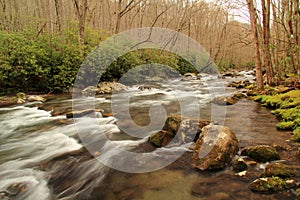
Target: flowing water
43,157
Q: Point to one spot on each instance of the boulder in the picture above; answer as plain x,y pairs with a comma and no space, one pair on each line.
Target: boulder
177,128
224,101
215,148
261,153
32,98
21,95
110,87
280,170
268,185
104,88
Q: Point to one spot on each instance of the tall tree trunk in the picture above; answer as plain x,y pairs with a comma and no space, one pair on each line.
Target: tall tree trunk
266,40
253,19
58,10
81,11
119,17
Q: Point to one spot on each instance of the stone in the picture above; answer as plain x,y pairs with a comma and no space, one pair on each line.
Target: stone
20,101
268,185
239,165
21,95
162,138
280,170
104,88
224,101
32,98
261,153
177,128
215,148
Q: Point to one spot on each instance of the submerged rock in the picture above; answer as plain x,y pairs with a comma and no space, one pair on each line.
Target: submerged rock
215,148
268,185
261,153
280,170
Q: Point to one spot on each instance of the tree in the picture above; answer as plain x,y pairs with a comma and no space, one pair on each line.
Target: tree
254,25
81,8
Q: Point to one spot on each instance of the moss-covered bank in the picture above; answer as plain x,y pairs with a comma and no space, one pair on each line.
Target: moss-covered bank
287,108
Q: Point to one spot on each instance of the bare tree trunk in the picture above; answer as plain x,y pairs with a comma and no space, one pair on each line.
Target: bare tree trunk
252,12
58,10
266,40
81,10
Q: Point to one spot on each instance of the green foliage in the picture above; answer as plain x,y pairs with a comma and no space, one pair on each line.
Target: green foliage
47,63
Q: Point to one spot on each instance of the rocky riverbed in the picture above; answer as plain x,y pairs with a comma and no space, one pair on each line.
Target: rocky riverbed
44,157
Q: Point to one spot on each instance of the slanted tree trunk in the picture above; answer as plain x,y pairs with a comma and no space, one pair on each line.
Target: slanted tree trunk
254,26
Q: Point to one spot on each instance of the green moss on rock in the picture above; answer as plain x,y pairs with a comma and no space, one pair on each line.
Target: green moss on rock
279,169
268,185
286,125
261,153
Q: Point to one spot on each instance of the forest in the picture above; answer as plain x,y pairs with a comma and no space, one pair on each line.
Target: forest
43,43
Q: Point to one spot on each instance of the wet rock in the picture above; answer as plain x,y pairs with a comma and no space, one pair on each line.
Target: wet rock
239,165
20,101
145,87
110,87
32,98
268,185
224,101
162,138
215,148
13,190
239,96
178,130
88,112
104,88
261,153
280,170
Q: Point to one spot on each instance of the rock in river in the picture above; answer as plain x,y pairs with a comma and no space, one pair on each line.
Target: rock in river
261,153
268,185
215,148
179,129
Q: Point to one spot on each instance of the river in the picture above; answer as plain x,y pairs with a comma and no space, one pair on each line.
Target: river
42,156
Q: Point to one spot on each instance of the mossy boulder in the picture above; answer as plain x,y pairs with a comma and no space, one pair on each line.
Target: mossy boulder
178,129
261,153
280,170
268,185
215,148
